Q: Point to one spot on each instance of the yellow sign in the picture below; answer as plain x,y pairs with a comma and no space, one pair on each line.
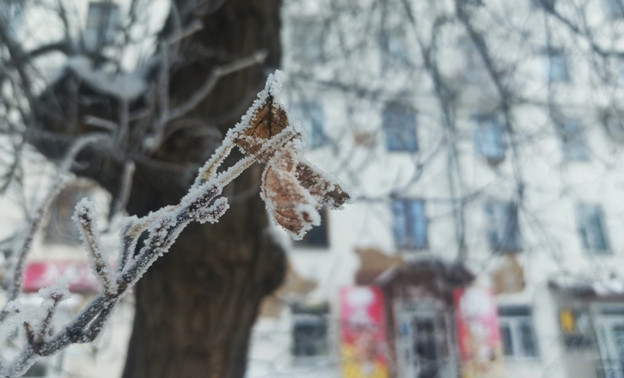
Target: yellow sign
567,320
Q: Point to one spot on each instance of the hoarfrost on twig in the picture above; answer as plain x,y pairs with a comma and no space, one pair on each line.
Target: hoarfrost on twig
293,190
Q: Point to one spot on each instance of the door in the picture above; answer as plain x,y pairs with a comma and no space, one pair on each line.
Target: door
611,342
422,345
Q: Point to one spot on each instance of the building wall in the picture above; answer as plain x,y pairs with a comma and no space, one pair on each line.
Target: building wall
354,85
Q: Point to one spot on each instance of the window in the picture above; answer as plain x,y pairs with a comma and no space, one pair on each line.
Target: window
556,66
12,14
543,4
573,143
410,224
517,333
309,332
473,64
102,19
503,232
308,41
311,115
590,222
613,9
393,49
318,236
399,124
488,138
60,228
613,122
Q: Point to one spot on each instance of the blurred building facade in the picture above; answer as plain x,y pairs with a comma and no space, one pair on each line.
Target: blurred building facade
482,141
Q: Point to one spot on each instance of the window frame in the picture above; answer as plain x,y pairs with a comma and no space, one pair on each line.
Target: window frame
318,315
394,49
583,224
488,128
311,115
513,318
557,57
613,9
505,240
410,226
101,30
573,142
543,4
473,70
308,37
59,228
307,241
399,124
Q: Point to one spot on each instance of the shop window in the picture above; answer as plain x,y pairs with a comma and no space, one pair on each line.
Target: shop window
399,124
503,231
573,144
309,332
613,9
488,138
556,66
576,328
517,332
311,115
590,223
318,236
410,223
102,20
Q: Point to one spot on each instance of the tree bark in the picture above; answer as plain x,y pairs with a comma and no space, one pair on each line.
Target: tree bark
195,307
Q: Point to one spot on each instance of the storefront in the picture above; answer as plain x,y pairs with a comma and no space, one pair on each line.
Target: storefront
420,317
591,317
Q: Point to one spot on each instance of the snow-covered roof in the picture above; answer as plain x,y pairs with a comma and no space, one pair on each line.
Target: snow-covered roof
588,287
122,86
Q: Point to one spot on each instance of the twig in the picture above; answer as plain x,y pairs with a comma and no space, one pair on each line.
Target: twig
216,74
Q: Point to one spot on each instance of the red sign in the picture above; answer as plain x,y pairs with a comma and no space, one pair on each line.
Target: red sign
40,274
478,333
364,342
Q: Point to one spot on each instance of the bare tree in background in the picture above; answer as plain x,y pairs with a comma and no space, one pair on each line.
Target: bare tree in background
460,66
196,305
501,119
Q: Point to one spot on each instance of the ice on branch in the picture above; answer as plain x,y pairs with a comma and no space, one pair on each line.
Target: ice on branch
292,189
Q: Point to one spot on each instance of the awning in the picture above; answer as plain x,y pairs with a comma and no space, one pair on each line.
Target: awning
611,288
437,276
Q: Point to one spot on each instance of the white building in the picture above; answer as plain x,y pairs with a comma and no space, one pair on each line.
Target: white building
481,132
504,155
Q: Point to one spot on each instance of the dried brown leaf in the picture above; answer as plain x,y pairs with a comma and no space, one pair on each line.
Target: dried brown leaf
294,192
266,132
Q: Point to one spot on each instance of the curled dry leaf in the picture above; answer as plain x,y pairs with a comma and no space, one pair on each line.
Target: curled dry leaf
294,192
267,131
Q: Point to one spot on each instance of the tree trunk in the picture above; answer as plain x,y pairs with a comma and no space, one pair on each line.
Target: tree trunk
195,307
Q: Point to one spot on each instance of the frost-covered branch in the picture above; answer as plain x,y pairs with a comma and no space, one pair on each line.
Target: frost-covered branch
14,280
293,190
